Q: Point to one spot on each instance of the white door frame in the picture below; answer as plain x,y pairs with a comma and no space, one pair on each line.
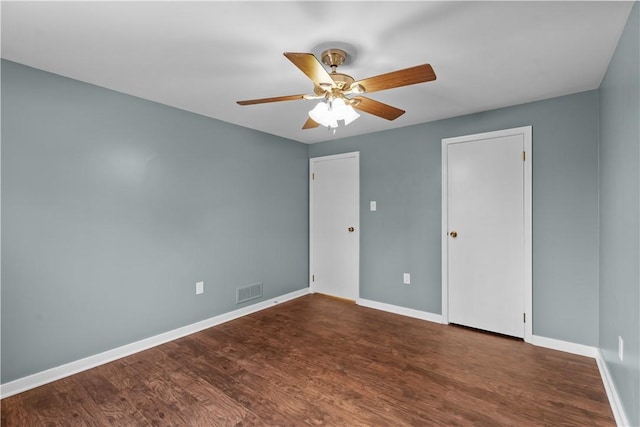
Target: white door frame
525,131
356,155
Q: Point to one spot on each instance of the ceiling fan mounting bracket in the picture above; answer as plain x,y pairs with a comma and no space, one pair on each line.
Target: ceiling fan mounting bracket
333,58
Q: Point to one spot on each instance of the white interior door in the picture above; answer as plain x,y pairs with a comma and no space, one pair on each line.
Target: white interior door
334,225
486,231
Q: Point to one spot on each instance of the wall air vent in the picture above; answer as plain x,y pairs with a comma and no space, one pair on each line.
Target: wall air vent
248,292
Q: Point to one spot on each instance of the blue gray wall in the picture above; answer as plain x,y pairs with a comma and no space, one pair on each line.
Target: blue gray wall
620,216
113,207
401,170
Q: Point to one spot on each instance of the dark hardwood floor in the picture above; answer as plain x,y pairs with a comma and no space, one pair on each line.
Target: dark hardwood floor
321,361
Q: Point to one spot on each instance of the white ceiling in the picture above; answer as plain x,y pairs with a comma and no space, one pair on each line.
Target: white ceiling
204,56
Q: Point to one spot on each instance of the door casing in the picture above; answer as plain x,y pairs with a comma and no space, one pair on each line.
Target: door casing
312,219
526,132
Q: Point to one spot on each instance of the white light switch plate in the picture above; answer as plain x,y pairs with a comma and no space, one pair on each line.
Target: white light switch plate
199,288
406,278
620,348
372,205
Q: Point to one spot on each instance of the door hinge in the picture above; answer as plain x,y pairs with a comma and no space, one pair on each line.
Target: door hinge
524,317
313,277
524,156
313,176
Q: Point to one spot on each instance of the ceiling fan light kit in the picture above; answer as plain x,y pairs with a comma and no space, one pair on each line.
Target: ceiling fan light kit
341,94
328,112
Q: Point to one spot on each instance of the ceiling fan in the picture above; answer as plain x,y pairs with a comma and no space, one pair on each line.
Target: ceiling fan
340,94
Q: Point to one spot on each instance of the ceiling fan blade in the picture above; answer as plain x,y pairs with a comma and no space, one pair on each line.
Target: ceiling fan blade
408,76
377,108
310,124
311,67
274,99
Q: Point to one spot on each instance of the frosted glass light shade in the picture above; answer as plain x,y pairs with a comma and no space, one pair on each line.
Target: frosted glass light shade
350,115
323,116
328,113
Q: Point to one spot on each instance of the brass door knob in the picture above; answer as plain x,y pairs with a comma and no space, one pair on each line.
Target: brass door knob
351,229
453,234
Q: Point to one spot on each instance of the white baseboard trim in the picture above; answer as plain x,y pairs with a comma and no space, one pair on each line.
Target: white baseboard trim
554,344
32,381
566,346
595,353
410,312
612,393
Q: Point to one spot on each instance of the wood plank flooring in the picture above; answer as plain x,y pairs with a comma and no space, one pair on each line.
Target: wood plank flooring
321,361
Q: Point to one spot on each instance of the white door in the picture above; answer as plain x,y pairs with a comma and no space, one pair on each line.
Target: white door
334,225
486,231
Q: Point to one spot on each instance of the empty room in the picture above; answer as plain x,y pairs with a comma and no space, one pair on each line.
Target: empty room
340,213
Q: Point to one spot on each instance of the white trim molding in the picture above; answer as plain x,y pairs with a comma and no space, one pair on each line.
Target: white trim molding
566,346
595,353
312,196
403,311
612,393
32,381
526,133
539,341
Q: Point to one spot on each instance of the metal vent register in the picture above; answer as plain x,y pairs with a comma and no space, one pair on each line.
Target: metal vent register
249,292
